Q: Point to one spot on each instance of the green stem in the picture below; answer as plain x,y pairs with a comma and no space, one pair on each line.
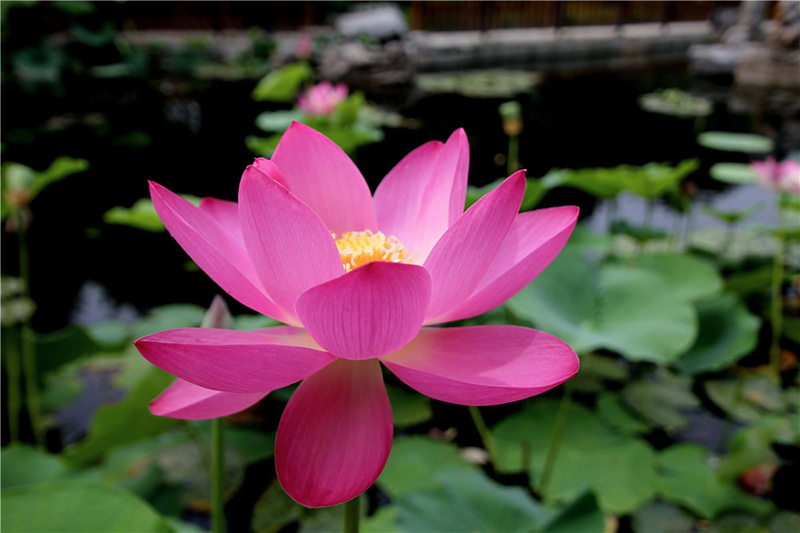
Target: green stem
676,232
611,214
352,514
687,236
558,433
776,318
730,231
13,377
32,397
513,154
486,436
217,476
699,124
648,214
730,419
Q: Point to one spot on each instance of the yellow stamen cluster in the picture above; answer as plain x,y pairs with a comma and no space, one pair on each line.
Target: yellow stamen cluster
358,248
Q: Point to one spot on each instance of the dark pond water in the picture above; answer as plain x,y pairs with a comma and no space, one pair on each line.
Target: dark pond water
189,136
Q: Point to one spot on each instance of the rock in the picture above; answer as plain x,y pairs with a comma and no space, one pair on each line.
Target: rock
714,58
382,22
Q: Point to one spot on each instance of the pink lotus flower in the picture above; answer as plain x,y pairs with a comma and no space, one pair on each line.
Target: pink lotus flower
322,98
357,299
783,177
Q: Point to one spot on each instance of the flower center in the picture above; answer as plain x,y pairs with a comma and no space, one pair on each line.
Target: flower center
358,248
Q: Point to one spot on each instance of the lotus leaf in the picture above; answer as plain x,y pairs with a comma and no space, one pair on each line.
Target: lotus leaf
728,332
685,477
633,311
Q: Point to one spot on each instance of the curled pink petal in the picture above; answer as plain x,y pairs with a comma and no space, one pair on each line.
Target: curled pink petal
424,193
483,365
235,361
215,251
463,254
226,213
188,401
335,434
289,244
320,174
371,311
534,240
268,167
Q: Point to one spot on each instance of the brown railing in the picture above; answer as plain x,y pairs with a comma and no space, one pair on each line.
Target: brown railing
444,16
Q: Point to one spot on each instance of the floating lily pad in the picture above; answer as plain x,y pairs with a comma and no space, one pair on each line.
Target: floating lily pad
747,143
728,332
479,83
634,312
620,470
273,121
675,102
736,173
77,506
685,477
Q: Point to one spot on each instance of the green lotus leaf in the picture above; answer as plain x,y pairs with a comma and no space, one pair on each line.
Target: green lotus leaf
633,311
728,332
686,478
77,506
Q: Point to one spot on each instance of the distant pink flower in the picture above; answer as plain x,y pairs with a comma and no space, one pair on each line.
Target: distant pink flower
784,177
308,245
322,98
